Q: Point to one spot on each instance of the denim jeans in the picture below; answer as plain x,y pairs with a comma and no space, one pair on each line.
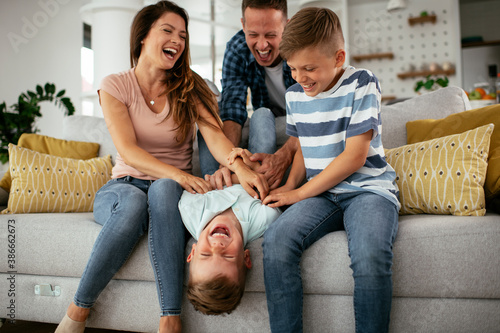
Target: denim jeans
261,139
128,208
370,222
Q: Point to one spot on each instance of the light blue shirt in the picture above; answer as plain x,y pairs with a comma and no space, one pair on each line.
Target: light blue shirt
197,210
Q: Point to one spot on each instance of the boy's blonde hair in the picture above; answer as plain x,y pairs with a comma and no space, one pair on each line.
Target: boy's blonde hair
312,26
217,296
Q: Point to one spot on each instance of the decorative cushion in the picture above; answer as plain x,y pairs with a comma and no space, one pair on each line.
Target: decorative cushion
53,146
421,130
444,175
43,183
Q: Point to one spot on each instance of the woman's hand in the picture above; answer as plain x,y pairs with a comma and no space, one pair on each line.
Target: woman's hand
254,183
192,183
245,156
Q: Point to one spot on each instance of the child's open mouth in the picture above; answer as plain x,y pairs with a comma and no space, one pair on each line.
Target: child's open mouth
220,232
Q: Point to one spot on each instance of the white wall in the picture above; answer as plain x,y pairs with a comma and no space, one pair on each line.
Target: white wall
374,30
40,42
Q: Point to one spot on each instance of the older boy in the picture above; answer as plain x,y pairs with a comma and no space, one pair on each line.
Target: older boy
335,113
223,222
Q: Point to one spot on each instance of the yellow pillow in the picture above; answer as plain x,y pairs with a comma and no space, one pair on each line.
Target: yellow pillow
422,130
443,175
43,183
47,145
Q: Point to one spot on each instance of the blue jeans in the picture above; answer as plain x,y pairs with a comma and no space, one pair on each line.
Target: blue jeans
261,139
128,208
370,222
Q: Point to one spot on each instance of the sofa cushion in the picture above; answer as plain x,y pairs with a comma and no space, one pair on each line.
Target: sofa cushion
437,104
427,129
434,256
52,146
444,175
46,183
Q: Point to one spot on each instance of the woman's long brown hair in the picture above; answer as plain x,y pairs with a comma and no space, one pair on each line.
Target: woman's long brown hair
184,88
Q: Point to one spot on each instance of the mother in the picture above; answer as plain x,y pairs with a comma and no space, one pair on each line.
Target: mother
151,111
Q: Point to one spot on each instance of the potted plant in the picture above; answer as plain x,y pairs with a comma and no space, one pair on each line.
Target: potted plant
20,117
431,84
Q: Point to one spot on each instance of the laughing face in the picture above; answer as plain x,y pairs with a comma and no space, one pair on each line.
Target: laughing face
165,42
263,30
219,250
316,70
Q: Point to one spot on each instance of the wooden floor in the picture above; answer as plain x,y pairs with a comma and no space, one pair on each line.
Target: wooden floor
31,327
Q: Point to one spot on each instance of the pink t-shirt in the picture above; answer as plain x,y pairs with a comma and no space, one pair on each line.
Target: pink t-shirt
153,133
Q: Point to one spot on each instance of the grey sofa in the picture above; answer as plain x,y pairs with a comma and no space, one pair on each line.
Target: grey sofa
446,268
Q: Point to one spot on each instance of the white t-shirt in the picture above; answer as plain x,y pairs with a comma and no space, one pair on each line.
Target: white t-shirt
276,85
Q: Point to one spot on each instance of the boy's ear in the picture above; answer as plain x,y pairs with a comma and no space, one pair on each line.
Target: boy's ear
191,254
340,58
246,258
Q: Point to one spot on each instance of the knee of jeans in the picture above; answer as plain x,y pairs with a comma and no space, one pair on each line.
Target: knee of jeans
279,244
261,113
165,189
371,260
127,206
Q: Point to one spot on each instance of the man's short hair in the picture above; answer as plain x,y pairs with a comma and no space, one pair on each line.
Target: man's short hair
312,26
217,296
280,5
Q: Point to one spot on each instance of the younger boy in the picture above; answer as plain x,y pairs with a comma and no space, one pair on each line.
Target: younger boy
335,113
223,222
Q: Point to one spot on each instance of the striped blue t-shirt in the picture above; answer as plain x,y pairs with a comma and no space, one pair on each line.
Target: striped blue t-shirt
324,122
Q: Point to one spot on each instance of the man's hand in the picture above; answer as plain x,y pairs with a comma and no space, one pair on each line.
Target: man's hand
219,178
273,167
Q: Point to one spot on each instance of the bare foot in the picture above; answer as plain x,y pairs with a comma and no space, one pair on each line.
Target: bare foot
170,324
77,313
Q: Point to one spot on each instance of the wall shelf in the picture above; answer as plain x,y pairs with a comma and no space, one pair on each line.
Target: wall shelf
426,73
482,43
422,19
362,57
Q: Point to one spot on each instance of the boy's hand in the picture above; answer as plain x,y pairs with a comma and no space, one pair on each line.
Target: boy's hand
278,198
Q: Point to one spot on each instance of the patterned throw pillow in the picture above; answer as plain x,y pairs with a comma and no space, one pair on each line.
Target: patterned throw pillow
58,147
427,129
43,183
444,175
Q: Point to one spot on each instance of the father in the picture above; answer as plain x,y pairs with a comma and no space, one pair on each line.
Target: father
252,60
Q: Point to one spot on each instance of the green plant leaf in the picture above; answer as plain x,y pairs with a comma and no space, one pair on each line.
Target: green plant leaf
61,93
39,90
428,85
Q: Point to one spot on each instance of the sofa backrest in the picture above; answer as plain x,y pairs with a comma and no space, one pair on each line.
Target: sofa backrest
89,129
435,105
